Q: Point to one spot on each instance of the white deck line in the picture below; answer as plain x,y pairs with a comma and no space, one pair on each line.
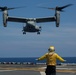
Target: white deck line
42,73
6,70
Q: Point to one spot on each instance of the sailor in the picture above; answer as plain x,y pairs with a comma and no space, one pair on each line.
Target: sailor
51,58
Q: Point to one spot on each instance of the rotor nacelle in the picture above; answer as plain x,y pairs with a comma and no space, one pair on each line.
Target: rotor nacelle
5,16
57,15
5,13
57,12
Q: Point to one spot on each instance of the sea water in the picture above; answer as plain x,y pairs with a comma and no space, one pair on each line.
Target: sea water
33,60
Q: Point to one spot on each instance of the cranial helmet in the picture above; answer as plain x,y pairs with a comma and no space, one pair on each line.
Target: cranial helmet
51,49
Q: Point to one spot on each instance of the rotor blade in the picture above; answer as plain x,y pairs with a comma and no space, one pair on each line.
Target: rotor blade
6,8
48,8
16,7
58,8
64,6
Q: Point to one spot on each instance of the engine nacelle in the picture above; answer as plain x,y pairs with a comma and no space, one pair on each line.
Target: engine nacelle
5,15
57,15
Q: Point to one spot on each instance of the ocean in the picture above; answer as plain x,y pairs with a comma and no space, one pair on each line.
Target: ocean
33,60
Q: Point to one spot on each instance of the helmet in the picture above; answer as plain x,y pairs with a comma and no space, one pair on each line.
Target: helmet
51,49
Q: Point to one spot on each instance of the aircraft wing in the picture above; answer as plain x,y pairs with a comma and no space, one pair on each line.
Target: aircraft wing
24,20
47,19
16,19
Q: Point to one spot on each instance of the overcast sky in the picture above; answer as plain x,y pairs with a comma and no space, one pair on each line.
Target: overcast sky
14,44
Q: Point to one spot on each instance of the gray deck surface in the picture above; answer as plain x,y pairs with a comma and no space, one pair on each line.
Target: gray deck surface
27,72
23,70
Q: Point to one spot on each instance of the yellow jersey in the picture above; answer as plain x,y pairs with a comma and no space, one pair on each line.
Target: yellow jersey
51,58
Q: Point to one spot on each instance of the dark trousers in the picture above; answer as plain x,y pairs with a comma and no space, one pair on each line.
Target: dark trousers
50,70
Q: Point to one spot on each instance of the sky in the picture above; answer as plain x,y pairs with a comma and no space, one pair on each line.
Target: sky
14,44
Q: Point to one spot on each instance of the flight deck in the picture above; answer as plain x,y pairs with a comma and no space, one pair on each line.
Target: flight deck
35,70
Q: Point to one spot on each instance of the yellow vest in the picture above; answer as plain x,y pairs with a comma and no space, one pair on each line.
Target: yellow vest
51,58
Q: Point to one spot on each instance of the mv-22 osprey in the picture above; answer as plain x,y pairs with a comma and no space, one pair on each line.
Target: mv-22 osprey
30,25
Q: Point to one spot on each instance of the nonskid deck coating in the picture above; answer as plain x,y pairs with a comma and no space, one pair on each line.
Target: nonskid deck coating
71,69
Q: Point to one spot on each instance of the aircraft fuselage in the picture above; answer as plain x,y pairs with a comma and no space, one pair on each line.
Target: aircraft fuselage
31,27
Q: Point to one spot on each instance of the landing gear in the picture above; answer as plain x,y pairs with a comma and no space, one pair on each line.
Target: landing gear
38,32
24,32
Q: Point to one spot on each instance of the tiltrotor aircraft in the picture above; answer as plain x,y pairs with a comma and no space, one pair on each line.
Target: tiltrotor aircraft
30,23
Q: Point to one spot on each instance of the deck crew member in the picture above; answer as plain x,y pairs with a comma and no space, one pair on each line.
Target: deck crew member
51,58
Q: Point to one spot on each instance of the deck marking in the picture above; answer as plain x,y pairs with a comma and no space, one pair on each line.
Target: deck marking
6,70
42,73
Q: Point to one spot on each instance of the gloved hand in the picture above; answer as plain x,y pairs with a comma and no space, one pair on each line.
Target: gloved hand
64,60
